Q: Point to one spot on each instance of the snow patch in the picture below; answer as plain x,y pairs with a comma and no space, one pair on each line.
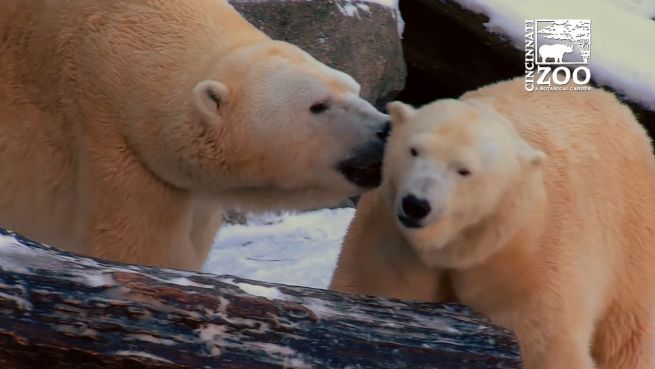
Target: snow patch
364,7
150,338
387,3
97,280
351,8
183,281
348,9
272,348
270,293
211,335
214,337
288,248
10,248
439,324
20,302
142,354
320,308
290,358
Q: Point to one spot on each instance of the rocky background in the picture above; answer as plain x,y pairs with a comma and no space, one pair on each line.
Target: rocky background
359,38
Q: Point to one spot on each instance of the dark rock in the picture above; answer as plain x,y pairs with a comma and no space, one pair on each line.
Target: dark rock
366,45
348,203
449,51
235,217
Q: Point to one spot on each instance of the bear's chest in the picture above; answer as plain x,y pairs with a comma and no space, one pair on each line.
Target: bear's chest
494,290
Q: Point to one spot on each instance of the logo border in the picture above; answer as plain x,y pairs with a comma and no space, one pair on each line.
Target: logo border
536,42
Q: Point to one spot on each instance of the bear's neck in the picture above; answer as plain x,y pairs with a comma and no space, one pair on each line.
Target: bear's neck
511,232
485,285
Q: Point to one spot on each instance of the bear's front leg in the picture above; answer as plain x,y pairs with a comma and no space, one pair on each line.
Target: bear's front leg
552,313
552,337
131,216
562,352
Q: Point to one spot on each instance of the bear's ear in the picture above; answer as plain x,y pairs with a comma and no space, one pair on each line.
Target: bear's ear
400,113
208,96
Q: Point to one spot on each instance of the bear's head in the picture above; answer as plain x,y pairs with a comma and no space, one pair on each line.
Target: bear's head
459,180
271,127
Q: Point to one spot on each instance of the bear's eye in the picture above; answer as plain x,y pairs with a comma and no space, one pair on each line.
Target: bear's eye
413,152
319,107
463,172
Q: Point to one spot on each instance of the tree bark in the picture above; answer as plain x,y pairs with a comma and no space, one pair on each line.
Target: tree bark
61,310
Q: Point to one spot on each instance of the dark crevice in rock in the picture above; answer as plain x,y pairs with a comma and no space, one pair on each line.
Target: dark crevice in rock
448,52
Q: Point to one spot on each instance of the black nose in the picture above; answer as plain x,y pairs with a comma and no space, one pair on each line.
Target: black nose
415,208
384,132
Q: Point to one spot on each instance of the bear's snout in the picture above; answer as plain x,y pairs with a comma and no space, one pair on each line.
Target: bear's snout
413,210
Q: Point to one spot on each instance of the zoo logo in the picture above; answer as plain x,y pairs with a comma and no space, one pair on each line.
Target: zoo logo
564,43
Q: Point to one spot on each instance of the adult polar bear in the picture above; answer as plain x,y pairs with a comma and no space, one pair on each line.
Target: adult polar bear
126,125
559,248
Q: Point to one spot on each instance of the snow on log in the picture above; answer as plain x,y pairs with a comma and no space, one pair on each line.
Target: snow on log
60,310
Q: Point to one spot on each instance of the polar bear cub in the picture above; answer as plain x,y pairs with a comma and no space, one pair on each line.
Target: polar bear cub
535,209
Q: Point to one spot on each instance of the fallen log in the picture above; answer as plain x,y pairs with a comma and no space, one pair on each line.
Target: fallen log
60,310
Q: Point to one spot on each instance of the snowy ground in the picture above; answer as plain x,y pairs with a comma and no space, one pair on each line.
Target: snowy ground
295,249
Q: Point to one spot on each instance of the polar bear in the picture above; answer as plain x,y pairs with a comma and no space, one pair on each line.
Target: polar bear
126,126
533,208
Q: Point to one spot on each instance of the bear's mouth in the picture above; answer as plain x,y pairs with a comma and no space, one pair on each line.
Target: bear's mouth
365,177
364,168
409,223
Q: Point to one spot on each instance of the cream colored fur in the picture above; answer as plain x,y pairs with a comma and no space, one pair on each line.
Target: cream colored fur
558,247
126,126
